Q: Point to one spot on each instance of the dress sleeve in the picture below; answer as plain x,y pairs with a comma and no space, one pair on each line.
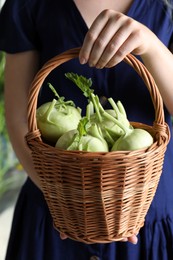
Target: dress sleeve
17,30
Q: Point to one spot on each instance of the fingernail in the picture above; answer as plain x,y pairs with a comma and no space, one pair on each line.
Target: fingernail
98,66
82,60
91,65
136,241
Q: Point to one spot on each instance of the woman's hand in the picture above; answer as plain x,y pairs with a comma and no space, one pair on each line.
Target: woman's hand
133,239
111,37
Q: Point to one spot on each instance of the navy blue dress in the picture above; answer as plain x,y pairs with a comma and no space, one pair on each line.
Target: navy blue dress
52,27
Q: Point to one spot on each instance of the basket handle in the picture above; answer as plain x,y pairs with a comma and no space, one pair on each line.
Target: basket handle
74,53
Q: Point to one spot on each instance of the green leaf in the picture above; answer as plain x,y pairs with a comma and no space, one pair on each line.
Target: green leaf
82,82
83,126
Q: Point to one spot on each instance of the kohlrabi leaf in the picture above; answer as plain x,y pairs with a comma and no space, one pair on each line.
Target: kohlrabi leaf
82,82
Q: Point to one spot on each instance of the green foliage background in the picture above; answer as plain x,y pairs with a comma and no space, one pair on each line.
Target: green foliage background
2,119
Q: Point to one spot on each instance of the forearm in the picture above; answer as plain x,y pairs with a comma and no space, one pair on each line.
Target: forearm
17,137
159,61
20,70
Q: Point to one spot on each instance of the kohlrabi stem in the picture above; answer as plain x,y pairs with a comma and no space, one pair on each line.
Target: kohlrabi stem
46,114
96,107
95,131
88,114
114,106
109,137
116,121
121,109
89,110
53,90
118,108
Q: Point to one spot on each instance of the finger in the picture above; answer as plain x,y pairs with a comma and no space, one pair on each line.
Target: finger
131,43
63,236
91,36
104,47
114,46
133,239
116,23
98,34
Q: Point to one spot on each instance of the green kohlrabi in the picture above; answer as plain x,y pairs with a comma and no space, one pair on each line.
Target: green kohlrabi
87,137
130,138
57,117
133,139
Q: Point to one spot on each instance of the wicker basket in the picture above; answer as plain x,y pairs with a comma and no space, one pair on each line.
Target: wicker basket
98,197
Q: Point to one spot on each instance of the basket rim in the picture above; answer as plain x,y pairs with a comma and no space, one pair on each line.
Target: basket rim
161,140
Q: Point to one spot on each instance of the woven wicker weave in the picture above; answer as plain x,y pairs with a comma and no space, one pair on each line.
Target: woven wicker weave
98,197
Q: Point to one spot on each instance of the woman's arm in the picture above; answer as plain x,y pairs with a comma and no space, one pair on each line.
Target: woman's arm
159,61
19,72
113,35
